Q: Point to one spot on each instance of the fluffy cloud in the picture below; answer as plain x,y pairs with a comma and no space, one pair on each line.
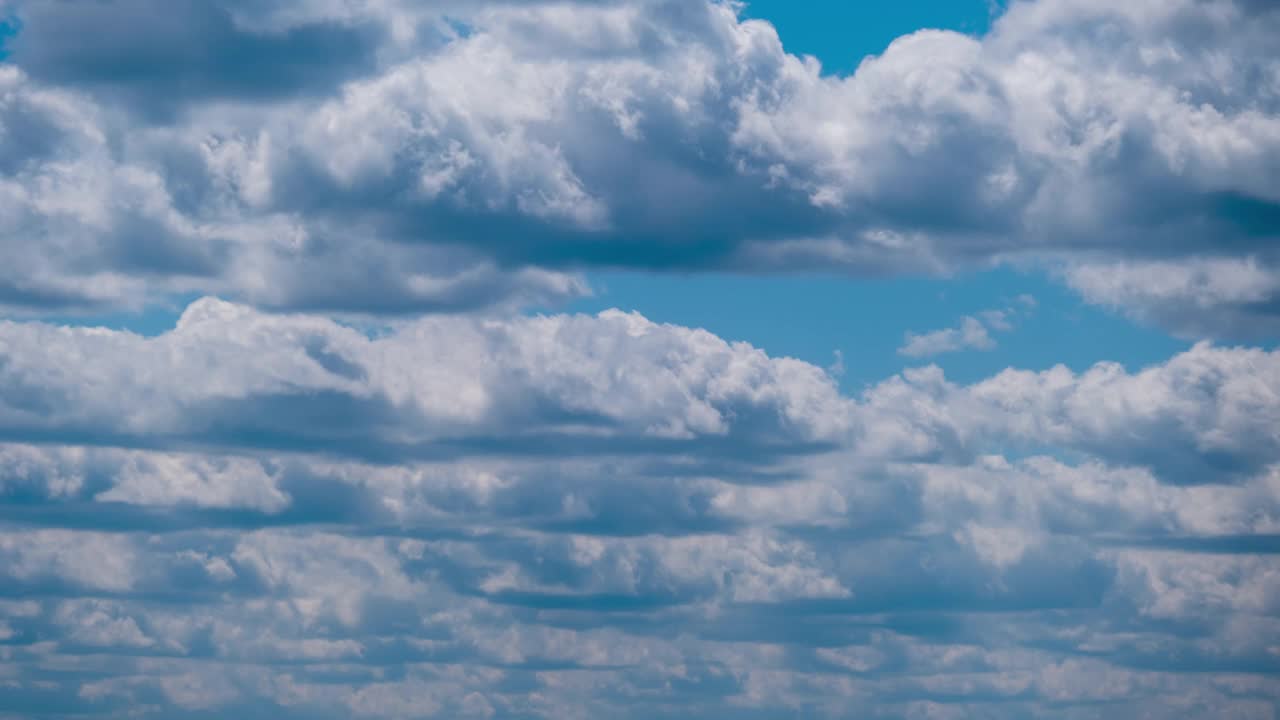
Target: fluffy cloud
1194,298
458,155
437,507
691,528
1217,402
230,376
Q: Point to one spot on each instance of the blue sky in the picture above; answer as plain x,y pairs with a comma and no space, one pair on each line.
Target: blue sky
812,317
841,34
548,359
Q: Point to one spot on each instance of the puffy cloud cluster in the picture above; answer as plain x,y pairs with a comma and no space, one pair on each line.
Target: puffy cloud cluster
423,511
1195,298
227,375
389,157
563,516
1203,416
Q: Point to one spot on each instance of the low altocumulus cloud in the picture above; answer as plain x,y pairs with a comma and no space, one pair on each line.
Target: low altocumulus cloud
282,516
395,157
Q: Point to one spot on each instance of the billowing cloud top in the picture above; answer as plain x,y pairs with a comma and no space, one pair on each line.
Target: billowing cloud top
358,479
384,157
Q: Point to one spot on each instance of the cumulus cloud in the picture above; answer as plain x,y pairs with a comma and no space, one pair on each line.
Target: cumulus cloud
1195,298
1203,416
437,507
998,545
459,155
228,375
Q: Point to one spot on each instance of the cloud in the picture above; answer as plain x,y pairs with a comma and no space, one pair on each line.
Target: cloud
453,157
1194,419
1007,605
972,334
88,228
444,508
159,61
1207,397
999,545
229,376
1195,298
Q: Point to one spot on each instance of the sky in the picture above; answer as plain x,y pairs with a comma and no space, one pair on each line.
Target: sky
639,359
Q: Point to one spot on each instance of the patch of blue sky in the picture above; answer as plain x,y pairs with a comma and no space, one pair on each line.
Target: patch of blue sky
866,319
840,33
152,320
9,27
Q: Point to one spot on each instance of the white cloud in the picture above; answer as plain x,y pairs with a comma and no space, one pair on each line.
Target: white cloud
230,377
970,335
441,166
1194,298
973,333
497,561
227,375
499,515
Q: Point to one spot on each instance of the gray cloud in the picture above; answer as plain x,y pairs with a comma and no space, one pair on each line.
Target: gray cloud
1035,543
267,513
160,56
459,163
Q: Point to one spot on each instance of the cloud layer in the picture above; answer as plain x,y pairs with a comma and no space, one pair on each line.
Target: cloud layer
397,157
358,479
569,516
